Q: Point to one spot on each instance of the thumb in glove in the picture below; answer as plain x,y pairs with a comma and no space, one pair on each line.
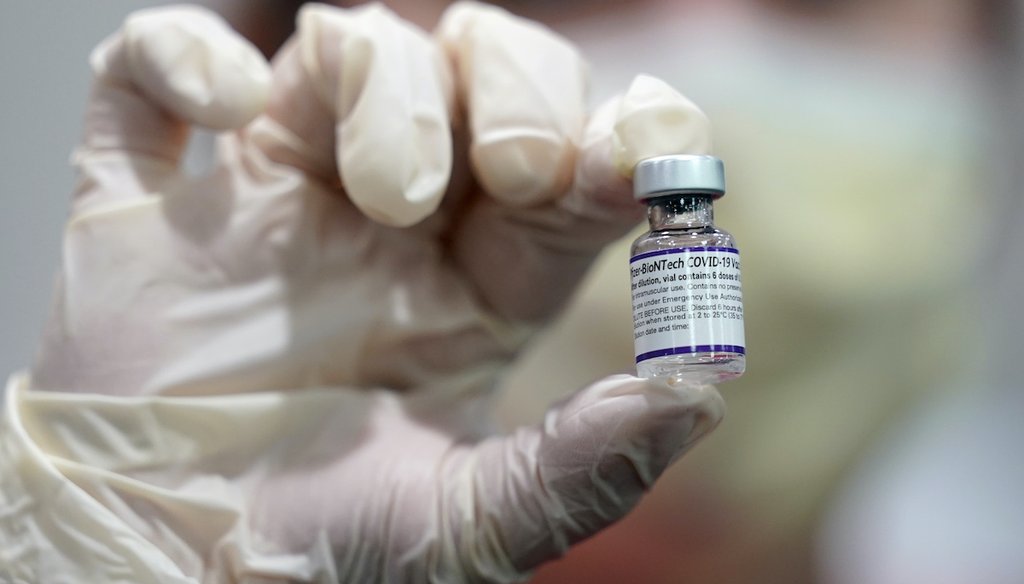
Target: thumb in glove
522,499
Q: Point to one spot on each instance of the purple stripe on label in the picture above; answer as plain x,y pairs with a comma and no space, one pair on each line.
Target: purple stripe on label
691,350
682,250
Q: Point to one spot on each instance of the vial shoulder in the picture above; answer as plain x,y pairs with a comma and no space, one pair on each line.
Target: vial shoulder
669,239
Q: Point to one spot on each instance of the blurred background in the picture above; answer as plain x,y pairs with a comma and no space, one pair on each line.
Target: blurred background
873,151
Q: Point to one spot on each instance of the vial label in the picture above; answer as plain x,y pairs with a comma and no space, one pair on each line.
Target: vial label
687,300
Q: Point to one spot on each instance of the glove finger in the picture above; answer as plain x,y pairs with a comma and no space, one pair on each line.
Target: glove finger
526,498
650,119
547,249
524,91
164,69
361,96
653,119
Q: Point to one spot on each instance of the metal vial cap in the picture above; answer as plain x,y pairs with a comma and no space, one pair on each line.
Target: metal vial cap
678,174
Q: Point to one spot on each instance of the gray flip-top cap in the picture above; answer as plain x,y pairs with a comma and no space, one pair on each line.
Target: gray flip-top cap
681,173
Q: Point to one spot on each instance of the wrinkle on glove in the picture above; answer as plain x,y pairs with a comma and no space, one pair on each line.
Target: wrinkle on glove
275,486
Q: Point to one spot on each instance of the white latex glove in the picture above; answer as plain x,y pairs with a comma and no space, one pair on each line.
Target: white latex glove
346,241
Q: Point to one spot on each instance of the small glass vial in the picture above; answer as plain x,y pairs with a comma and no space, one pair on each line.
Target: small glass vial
685,275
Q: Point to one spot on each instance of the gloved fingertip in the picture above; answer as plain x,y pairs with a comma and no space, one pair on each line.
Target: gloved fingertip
399,178
699,402
523,168
382,81
654,120
677,389
651,421
523,88
189,61
402,207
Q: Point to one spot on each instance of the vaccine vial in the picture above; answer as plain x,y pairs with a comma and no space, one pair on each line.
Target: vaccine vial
685,275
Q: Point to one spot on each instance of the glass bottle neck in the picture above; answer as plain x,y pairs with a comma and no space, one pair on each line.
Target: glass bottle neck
680,212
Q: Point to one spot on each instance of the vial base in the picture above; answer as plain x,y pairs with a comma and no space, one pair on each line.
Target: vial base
694,368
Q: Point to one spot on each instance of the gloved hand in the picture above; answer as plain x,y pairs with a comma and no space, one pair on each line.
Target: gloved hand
391,217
